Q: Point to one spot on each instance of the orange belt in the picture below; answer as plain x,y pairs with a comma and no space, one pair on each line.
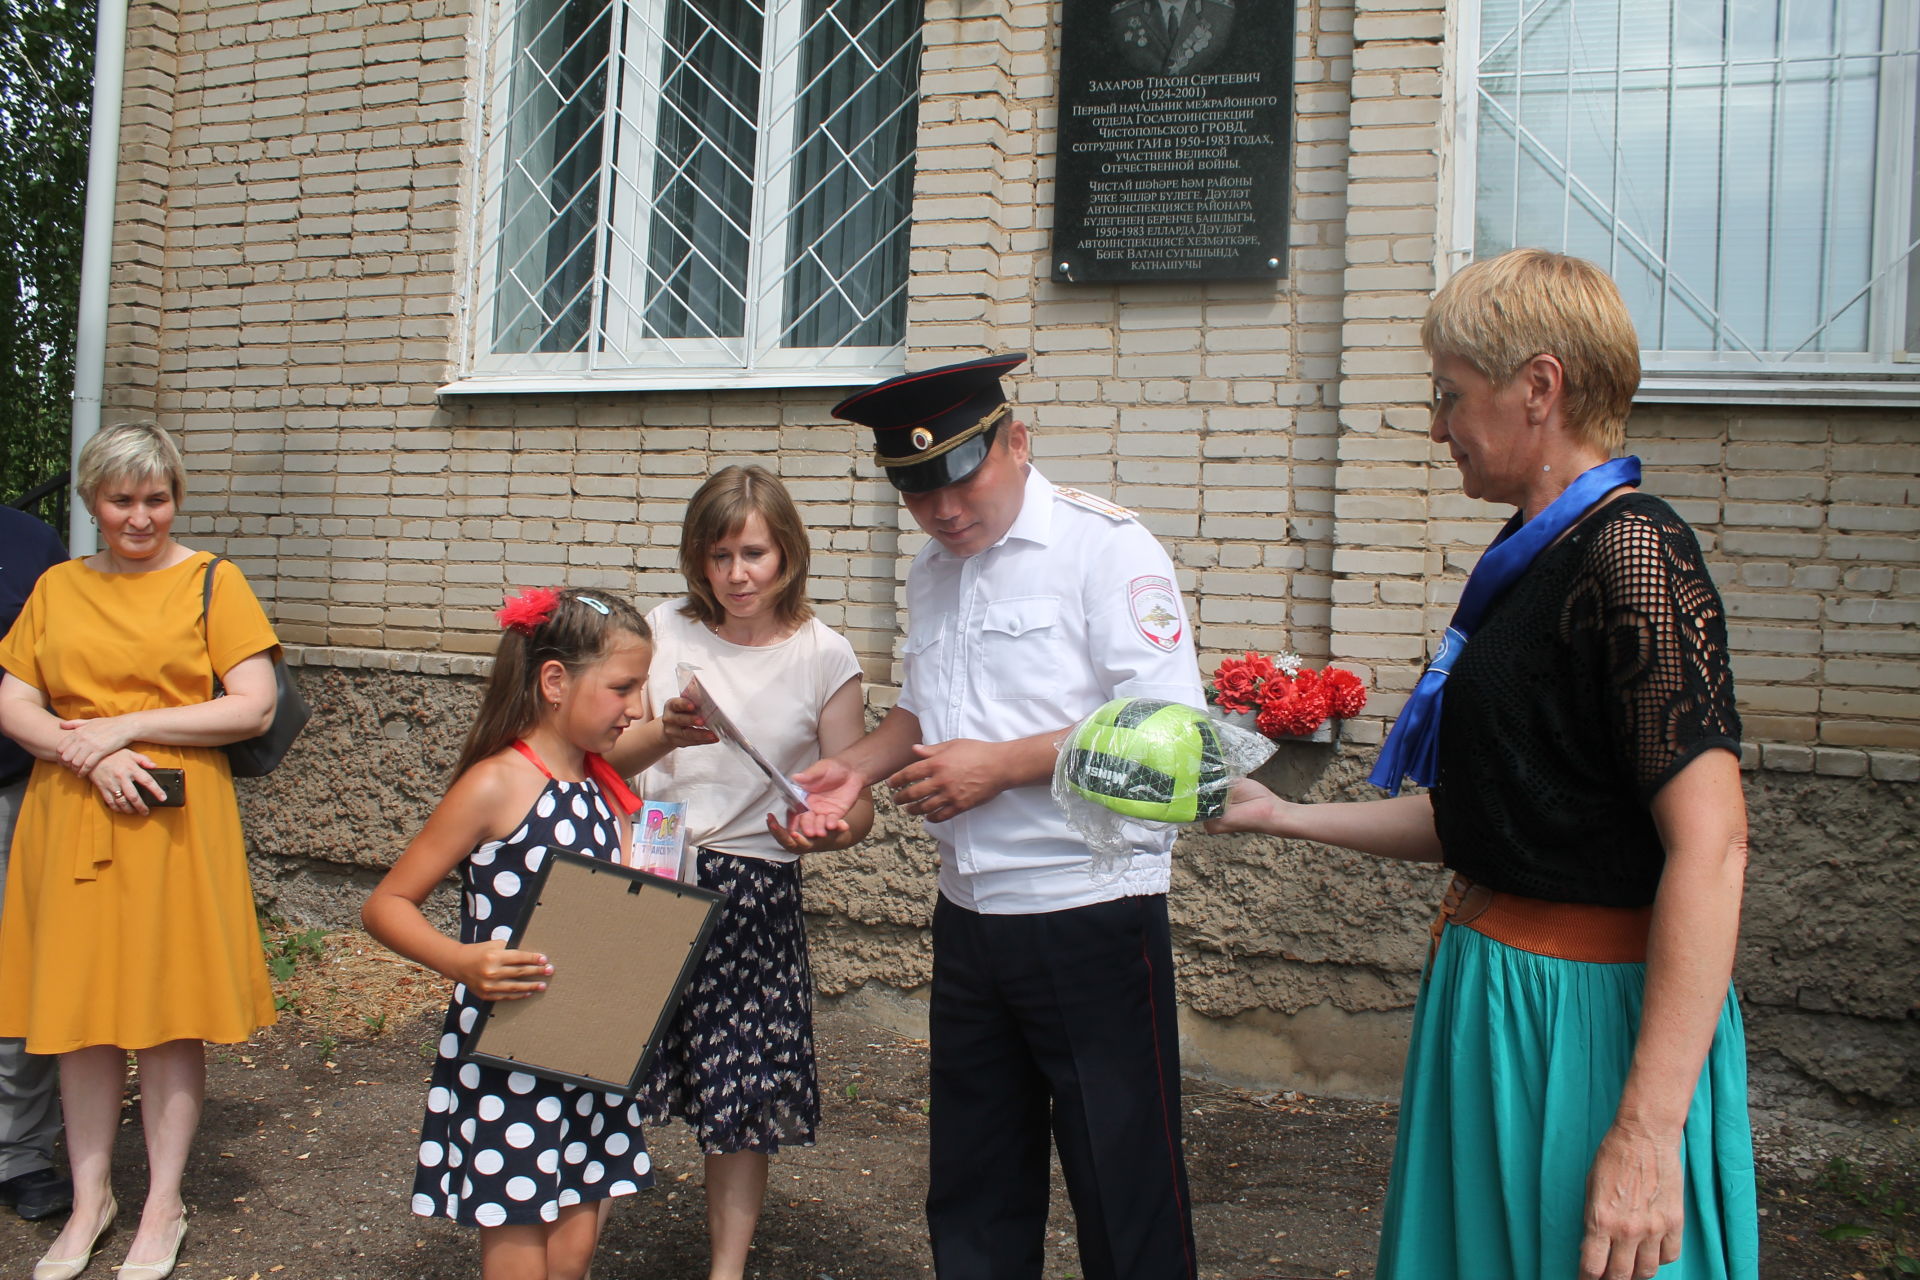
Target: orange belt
1563,930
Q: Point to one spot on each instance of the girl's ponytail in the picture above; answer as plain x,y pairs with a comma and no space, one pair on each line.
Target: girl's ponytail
572,627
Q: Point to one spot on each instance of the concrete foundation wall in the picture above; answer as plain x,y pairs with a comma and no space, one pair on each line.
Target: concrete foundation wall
1298,964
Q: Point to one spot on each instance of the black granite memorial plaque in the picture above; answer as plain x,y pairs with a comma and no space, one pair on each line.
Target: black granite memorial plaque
1176,125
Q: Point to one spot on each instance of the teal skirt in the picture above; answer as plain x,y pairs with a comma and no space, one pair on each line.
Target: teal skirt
1513,1077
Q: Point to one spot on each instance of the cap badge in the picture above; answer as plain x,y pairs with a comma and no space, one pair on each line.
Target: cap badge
922,438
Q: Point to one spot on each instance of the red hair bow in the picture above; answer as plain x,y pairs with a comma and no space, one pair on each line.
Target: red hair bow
525,612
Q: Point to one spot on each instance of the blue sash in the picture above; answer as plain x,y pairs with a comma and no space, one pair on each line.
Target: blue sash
1412,748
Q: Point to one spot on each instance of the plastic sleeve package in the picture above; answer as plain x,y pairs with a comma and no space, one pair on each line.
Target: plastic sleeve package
1143,765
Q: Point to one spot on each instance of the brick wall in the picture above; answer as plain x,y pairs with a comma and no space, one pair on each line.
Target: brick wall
1808,519
1206,407
287,285
1391,506
137,291
302,293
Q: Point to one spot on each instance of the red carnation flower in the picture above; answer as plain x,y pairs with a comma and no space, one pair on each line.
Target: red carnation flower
1296,706
525,612
1346,692
1237,681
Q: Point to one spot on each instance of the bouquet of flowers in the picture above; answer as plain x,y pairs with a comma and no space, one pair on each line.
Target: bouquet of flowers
1286,697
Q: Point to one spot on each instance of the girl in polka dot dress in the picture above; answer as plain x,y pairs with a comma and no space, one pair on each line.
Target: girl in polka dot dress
533,1163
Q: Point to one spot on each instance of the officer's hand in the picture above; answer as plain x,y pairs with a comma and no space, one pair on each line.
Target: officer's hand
949,778
832,789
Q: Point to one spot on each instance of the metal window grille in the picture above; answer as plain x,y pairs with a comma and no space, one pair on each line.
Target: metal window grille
1744,168
680,190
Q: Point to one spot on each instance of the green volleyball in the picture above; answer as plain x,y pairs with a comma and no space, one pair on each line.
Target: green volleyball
1149,759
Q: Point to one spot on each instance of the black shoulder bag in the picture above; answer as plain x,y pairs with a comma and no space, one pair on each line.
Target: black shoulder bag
258,757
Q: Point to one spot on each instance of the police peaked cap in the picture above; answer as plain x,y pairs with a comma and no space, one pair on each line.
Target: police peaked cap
934,427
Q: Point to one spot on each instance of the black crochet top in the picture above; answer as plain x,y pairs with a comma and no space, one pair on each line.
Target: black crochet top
1594,680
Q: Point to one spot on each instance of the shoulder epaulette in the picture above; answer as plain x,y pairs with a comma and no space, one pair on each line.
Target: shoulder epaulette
1079,498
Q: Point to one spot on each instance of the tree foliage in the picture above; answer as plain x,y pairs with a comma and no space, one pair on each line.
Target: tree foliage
46,85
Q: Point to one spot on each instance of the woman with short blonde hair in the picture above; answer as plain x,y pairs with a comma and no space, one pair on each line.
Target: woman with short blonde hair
1498,314
129,922
1575,1099
130,451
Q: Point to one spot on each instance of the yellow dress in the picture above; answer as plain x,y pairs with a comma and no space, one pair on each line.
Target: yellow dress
121,929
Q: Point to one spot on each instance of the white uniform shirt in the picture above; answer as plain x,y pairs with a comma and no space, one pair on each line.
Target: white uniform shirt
1075,606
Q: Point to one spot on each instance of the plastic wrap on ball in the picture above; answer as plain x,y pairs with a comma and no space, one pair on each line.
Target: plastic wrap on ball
1140,766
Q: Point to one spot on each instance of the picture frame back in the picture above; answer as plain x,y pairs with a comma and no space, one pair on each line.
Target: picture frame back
623,944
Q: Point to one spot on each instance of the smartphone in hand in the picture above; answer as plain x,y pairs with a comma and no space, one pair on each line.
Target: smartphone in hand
171,781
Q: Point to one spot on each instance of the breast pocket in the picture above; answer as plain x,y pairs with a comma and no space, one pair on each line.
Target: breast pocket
1023,648
920,657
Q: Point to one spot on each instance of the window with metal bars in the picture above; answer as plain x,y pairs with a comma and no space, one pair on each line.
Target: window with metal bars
693,193
1745,169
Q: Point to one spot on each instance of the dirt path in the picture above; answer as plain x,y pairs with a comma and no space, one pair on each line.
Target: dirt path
303,1169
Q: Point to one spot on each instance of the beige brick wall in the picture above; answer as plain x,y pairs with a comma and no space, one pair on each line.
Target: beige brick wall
1808,518
288,279
287,293
311,225
1389,499
1807,515
137,292
1207,408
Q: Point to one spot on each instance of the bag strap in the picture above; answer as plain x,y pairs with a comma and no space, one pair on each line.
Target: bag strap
206,604
206,588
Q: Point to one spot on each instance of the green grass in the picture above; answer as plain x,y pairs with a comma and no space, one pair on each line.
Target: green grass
1887,1229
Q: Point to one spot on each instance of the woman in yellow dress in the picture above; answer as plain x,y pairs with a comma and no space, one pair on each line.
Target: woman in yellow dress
129,923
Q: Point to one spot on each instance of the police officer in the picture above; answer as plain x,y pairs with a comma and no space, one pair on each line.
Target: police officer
1052,998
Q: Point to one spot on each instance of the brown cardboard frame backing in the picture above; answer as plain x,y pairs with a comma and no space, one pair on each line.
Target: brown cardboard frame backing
623,944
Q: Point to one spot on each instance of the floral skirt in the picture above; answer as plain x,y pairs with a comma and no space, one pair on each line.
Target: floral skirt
737,1061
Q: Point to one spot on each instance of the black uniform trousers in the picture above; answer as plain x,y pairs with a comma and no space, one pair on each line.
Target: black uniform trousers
1062,1020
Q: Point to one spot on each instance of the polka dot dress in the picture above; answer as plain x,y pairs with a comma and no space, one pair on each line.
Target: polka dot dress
505,1148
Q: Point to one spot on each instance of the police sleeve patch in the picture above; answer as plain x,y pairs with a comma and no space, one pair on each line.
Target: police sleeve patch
1155,607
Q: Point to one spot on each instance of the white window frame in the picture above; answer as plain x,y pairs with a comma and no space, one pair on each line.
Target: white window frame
1729,377
753,359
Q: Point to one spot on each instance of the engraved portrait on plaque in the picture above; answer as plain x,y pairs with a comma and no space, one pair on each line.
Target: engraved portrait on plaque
1171,37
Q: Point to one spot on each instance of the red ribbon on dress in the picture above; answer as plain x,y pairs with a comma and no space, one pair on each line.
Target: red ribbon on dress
612,785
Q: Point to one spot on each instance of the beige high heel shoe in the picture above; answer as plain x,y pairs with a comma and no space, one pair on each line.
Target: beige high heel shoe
52,1268
162,1269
